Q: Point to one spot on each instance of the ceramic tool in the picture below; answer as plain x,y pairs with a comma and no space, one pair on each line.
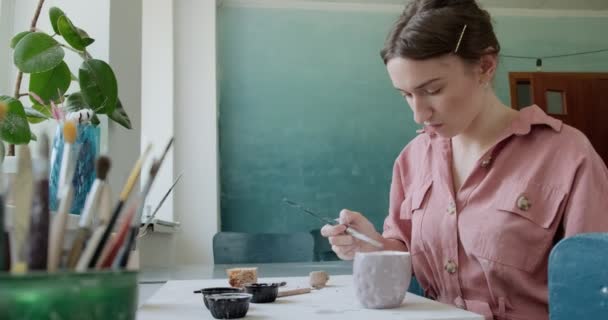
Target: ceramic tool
349,230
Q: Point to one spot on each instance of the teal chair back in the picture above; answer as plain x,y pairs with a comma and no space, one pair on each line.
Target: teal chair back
240,247
578,278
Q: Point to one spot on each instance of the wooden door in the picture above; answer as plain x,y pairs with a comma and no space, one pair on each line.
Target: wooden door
578,99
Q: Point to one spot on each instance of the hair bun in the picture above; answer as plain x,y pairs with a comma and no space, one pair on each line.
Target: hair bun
439,4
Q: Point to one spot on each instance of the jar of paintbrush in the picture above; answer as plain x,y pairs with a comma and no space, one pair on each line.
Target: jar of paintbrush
47,273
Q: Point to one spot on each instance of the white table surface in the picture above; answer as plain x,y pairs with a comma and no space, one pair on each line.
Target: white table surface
176,300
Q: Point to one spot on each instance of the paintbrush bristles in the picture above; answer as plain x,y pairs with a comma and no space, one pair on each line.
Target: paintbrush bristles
102,167
69,132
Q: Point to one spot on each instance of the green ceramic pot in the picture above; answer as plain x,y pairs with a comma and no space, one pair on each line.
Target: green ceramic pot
69,296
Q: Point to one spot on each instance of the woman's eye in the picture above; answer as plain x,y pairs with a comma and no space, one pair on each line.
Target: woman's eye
432,91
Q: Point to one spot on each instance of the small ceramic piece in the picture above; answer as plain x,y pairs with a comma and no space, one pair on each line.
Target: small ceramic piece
209,291
229,305
381,278
293,292
263,292
318,279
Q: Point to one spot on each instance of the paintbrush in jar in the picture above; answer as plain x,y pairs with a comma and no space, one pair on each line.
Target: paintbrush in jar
124,195
22,194
91,205
123,258
40,212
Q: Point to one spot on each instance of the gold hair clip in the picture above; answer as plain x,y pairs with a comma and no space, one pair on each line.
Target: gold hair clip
460,39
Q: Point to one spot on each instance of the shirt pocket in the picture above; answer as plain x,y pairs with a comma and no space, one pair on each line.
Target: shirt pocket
413,208
521,227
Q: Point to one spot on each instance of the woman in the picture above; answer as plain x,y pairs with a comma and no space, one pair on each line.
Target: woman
483,193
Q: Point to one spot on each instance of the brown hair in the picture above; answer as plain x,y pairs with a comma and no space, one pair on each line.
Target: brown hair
432,28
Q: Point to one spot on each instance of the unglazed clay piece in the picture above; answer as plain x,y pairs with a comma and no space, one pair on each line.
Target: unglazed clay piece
318,279
381,278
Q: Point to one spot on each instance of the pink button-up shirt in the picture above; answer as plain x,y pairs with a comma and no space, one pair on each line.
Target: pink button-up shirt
486,248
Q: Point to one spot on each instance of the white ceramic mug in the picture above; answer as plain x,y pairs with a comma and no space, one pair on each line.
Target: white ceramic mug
382,278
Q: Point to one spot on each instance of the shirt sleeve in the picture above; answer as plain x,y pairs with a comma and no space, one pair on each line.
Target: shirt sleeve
587,205
394,226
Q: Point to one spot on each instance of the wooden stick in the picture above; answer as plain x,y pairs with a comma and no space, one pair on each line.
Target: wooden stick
293,292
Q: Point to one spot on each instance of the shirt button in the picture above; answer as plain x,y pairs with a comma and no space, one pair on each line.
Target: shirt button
523,203
451,208
486,162
450,267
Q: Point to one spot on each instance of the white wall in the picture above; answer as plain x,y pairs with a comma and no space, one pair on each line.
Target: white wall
195,112
157,121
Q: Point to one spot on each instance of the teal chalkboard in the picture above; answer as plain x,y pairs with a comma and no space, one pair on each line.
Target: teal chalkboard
307,110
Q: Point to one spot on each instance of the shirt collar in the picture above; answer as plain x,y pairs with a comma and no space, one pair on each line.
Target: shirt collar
531,116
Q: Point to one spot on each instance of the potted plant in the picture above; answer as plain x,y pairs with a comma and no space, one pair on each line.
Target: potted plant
93,92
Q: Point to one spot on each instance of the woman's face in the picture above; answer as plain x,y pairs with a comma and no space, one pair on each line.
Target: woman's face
445,93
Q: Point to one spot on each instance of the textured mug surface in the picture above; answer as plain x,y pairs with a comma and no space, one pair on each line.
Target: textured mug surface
381,278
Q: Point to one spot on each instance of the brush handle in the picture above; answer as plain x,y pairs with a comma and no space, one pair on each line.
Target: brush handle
90,204
293,292
122,259
5,258
363,237
58,229
85,257
106,234
39,228
106,262
78,246
65,168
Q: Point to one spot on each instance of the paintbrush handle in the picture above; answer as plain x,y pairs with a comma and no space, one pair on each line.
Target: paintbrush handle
293,292
364,237
78,246
37,252
5,258
58,229
122,259
120,238
106,234
85,257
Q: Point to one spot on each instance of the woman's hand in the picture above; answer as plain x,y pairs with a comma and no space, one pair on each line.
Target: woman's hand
345,245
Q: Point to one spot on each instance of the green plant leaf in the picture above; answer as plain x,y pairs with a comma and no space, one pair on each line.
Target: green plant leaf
18,38
75,37
95,120
98,86
38,113
120,116
54,14
86,40
74,102
14,128
37,52
52,84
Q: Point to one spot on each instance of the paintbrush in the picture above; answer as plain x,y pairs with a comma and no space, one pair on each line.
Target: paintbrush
37,252
143,230
67,160
91,205
123,256
5,255
22,192
66,191
124,195
349,230
104,215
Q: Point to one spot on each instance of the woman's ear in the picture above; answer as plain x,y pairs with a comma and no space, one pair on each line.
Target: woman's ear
488,64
